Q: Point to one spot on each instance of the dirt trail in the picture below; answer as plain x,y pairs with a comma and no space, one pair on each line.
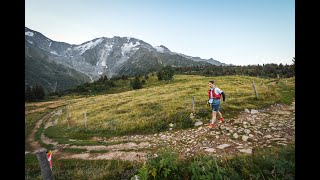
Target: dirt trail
32,137
272,126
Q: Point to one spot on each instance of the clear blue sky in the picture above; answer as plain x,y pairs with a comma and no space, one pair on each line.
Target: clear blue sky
240,32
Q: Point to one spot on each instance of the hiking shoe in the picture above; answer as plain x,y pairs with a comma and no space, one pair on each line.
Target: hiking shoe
210,125
221,120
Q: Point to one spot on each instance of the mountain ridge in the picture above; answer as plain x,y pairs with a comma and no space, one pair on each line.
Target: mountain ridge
97,57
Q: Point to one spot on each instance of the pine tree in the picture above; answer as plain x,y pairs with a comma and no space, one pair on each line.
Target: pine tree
136,84
39,92
29,94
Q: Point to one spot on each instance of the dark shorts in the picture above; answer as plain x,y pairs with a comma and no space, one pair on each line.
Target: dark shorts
215,105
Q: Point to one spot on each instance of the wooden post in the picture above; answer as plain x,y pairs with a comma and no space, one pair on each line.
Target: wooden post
68,115
44,165
254,88
193,104
85,120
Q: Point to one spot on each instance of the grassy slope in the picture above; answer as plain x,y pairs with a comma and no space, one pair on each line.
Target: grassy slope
142,111
158,104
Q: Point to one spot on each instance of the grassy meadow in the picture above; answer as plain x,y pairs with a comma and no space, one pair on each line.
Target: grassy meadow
153,108
150,110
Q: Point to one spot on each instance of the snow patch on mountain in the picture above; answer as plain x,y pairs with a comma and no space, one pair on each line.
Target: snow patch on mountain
30,42
104,53
127,47
108,46
159,49
29,33
88,45
50,44
104,63
54,52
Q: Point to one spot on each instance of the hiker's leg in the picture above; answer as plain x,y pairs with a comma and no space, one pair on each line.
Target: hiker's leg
215,109
214,114
219,113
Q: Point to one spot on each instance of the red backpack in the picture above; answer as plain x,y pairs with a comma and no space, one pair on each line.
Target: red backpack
214,95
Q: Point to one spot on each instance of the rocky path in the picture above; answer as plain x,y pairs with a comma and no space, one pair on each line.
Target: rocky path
273,126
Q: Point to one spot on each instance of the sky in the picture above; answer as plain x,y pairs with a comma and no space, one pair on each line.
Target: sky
239,32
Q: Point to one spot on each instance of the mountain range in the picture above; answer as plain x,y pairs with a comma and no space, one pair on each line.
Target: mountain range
59,65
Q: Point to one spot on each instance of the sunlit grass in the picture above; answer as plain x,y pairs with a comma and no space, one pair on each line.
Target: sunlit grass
160,103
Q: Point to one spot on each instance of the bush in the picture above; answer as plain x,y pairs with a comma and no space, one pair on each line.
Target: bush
162,167
136,84
165,73
204,112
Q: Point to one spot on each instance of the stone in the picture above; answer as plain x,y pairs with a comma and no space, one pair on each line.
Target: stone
253,111
210,150
245,138
198,123
247,111
222,146
192,116
247,151
282,144
278,139
268,136
247,131
235,135
251,135
171,125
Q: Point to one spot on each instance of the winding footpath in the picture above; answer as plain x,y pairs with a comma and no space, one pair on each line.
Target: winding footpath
263,128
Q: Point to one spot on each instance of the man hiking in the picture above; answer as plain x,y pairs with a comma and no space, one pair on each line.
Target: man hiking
214,94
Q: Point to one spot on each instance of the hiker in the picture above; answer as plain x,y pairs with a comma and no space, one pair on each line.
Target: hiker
214,94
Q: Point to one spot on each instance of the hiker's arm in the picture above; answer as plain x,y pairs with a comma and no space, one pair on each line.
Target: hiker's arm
223,96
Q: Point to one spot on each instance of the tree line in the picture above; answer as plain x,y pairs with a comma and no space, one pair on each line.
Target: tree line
166,73
265,70
34,93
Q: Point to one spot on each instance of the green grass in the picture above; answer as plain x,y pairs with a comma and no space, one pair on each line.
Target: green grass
74,150
265,163
151,110
81,169
273,163
30,123
159,103
38,138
